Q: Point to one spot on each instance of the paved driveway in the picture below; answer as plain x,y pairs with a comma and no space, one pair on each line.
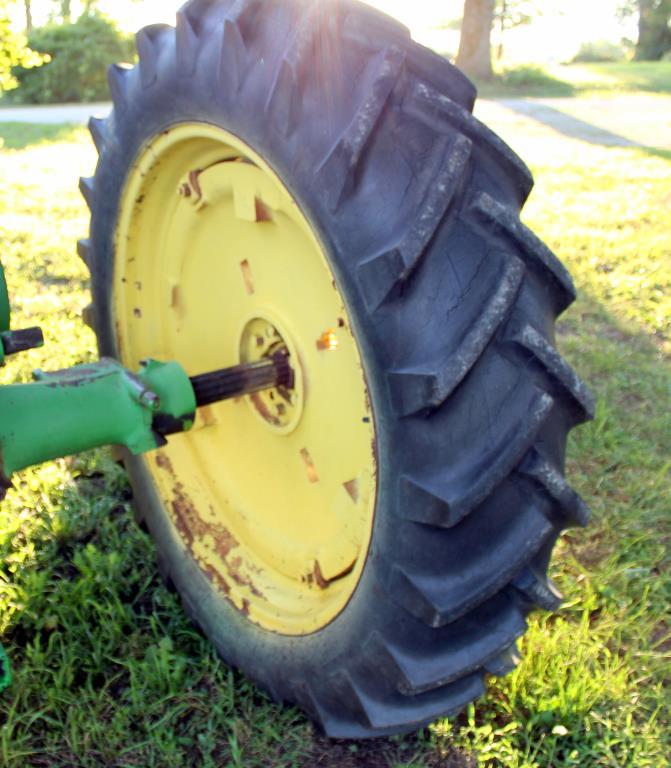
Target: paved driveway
54,114
626,120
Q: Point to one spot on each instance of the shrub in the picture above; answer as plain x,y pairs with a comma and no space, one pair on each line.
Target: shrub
529,79
79,54
599,51
525,76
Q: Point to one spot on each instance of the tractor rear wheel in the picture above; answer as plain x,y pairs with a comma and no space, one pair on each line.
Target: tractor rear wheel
275,174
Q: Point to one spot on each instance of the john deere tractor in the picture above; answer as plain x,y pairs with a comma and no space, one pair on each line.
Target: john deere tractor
328,349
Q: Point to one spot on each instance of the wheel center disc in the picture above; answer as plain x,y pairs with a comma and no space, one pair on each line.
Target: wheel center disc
280,408
272,494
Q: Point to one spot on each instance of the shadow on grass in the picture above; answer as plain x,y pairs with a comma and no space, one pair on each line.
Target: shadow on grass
662,154
575,128
24,135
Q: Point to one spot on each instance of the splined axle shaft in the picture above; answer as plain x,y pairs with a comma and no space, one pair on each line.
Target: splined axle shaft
244,379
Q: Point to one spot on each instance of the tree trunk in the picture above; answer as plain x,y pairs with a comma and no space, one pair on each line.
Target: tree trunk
66,11
644,28
502,28
29,15
654,37
475,55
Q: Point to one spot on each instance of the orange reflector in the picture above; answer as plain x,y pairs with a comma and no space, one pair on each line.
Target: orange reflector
328,341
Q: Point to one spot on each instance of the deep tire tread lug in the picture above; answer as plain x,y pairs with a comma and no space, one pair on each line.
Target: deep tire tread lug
417,389
186,45
572,509
436,110
98,131
360,27
412,673
339,165
233,57
88,317
561,373
84,251
117,79
379,275
537,255
431,500
309,31
403,713
505,662
426,597
283,104
536,590
146,41
87,189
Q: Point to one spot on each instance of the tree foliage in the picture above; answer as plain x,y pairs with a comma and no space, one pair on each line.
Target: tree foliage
13,51
64,8
515,13
79,55
509,14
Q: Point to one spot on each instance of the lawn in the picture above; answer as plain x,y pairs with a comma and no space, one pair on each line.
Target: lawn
584,80
108,670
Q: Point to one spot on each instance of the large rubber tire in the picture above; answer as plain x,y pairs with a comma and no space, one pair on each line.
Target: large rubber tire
453,302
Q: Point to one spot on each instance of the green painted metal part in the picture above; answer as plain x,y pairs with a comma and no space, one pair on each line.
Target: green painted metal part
12,342
102,403
5,671
89,406
85,407
81,408
4,302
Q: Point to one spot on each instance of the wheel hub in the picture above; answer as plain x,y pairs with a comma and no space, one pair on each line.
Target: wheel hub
279,407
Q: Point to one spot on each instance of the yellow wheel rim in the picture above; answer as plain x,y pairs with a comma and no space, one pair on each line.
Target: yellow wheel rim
215,264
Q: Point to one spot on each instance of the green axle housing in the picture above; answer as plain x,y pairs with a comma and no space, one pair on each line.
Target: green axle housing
82,408
102,403
86,406
90,406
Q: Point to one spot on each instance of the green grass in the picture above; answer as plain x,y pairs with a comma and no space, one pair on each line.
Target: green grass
22,135
580,80
109,672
